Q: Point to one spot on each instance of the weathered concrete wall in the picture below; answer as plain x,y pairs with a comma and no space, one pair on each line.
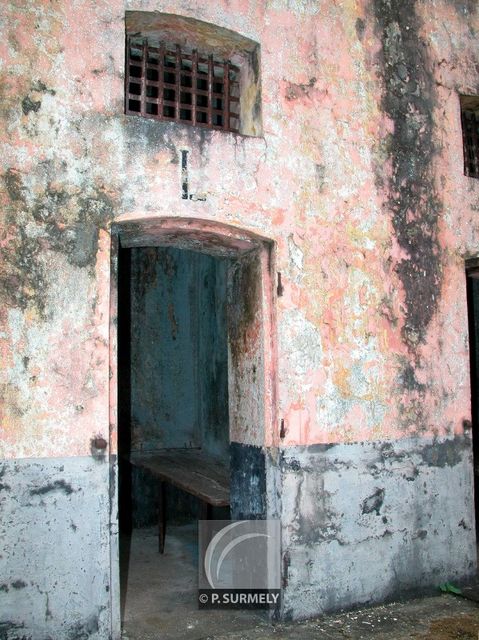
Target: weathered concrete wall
337,142
55,572
371,518
358,180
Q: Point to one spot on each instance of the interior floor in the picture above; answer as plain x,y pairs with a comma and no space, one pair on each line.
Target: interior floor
160,591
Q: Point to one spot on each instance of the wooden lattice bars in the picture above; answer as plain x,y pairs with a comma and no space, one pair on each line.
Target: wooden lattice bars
470,134
166,83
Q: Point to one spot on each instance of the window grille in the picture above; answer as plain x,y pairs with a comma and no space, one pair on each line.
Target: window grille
167,83
470,135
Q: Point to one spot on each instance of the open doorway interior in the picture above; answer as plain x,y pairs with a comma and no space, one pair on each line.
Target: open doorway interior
178,360
472,273
173,409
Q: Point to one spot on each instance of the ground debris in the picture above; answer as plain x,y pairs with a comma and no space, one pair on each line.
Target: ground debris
464,627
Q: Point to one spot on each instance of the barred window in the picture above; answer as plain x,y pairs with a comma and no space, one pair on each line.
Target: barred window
169,83
470,134
191,72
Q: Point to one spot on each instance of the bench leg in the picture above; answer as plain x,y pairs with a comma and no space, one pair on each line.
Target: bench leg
162,517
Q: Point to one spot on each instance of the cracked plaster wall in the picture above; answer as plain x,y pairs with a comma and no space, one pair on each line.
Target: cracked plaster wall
358,179
55,576
374,500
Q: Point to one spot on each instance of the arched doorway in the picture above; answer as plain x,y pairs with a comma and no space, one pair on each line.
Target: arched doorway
195,367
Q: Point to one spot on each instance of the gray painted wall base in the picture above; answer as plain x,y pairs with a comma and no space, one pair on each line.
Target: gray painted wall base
361,523
55,558
365,522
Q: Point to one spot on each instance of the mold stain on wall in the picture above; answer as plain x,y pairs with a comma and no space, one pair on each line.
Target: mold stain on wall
370,237
409,101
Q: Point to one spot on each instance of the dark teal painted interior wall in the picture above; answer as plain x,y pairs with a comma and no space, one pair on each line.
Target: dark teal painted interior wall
179,364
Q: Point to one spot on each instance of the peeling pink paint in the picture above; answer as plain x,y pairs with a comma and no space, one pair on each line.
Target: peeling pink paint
309,185
350,223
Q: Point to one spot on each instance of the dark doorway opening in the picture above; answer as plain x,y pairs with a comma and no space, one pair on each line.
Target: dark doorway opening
472,277
176,315
200,294
173,389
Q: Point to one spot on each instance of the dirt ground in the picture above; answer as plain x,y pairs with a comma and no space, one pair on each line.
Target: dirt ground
441,617
464,628
160,602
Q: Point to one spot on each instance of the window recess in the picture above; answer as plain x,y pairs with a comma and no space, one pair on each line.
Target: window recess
192,73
